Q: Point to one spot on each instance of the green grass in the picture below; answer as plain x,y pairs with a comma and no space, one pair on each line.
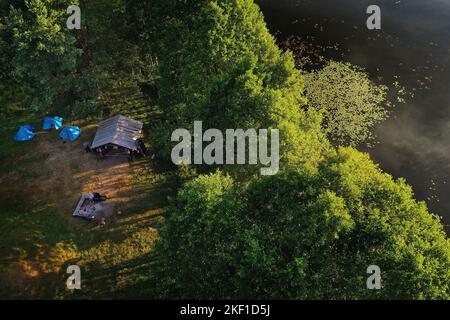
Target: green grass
33,237
13,153
37,242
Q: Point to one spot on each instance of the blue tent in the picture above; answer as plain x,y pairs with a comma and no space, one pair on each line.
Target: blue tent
52,122
70,133
25,133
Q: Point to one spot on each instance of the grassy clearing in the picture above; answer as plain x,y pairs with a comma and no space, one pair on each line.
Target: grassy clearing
40,182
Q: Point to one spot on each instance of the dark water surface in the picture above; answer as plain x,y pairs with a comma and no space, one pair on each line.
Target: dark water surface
413,46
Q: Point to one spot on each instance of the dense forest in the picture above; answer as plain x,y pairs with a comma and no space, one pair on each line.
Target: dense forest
227,232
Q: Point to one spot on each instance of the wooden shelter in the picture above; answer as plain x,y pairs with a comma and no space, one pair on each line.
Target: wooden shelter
118,136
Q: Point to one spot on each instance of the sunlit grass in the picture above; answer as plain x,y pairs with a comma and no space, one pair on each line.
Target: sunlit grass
38,240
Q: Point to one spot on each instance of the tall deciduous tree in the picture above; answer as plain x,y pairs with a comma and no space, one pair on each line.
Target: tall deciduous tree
47,56
12,91
45,52
304,234
219,64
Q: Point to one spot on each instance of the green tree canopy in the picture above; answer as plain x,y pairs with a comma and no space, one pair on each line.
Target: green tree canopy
219,64
45,55
304,234
64,69
12,91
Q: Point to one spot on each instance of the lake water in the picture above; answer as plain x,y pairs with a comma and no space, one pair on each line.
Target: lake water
413,45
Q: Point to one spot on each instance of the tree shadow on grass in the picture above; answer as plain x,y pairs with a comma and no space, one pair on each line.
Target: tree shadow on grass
131,279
